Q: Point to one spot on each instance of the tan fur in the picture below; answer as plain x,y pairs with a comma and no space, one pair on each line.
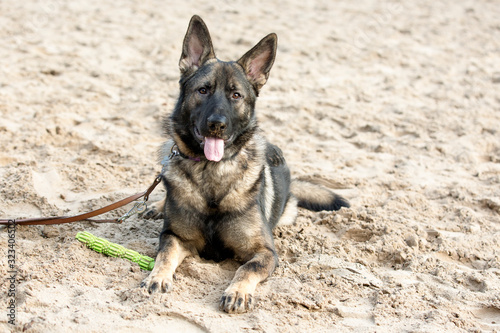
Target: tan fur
269,194
290,213
216,180
165,265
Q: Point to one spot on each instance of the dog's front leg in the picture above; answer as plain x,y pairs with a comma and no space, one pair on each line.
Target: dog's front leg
238,297
171,253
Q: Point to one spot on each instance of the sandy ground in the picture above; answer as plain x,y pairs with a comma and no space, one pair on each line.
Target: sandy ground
396,105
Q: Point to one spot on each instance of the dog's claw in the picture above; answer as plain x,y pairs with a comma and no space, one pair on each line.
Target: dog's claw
236,303
155,285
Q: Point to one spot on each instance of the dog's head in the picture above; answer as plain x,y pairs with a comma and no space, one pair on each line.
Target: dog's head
214,115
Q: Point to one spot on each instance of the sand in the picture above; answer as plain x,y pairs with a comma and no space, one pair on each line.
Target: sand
394,104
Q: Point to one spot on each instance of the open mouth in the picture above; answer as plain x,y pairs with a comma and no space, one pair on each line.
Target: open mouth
212,147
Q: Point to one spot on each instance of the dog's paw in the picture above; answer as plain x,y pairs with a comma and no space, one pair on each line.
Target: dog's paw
154,211
236,302
152,214
157,284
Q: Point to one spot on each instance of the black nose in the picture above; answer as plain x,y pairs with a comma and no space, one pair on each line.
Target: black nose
217,123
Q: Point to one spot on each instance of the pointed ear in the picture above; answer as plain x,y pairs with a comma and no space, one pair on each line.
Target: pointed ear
197,47
258,61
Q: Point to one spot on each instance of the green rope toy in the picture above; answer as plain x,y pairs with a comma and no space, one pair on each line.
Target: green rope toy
104,246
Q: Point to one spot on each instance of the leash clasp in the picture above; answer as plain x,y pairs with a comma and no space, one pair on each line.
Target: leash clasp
138,208
174,151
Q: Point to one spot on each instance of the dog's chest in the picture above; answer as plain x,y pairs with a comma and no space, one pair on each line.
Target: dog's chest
214,247
213,188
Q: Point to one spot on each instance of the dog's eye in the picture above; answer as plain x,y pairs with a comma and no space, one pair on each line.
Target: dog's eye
236,95
203,91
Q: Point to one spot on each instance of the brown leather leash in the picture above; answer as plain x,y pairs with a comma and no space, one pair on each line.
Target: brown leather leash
138,207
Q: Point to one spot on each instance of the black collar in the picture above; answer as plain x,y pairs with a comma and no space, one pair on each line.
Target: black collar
174,151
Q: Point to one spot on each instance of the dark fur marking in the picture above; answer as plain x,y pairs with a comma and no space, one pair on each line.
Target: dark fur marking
254,266
214,249
189,176
256,185
336,203
274,155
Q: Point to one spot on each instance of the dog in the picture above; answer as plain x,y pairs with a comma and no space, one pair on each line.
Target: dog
227,187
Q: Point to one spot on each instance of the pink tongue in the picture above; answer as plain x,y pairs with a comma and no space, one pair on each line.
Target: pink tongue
214,149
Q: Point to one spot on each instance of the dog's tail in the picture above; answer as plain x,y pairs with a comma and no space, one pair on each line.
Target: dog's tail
316,197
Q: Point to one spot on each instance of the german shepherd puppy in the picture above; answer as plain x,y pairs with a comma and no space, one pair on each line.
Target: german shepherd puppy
227,187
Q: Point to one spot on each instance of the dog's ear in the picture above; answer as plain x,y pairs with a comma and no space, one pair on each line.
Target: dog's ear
197,47
258,61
